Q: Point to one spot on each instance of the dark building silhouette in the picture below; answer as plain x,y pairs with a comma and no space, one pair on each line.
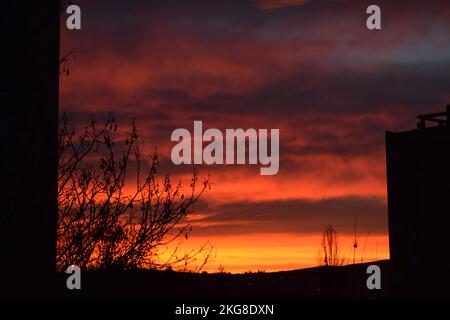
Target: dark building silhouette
418,180
29,79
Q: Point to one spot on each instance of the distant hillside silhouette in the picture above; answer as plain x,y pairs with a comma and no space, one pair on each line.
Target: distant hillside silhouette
345,282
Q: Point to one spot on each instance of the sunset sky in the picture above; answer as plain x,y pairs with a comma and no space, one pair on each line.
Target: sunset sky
309,68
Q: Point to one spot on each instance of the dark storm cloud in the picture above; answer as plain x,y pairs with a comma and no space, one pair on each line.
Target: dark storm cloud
297,216
419,87
332,70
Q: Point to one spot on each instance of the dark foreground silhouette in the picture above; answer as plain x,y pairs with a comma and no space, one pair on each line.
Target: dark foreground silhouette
346,282
418,199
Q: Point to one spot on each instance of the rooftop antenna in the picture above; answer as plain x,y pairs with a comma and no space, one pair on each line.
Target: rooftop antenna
435,118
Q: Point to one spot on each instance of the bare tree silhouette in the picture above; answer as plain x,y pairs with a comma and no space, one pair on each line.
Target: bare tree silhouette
104,222
330,253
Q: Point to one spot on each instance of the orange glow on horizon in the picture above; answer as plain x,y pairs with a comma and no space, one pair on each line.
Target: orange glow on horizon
279,252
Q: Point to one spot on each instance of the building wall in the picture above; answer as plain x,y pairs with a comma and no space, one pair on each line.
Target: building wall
28,139
418,169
